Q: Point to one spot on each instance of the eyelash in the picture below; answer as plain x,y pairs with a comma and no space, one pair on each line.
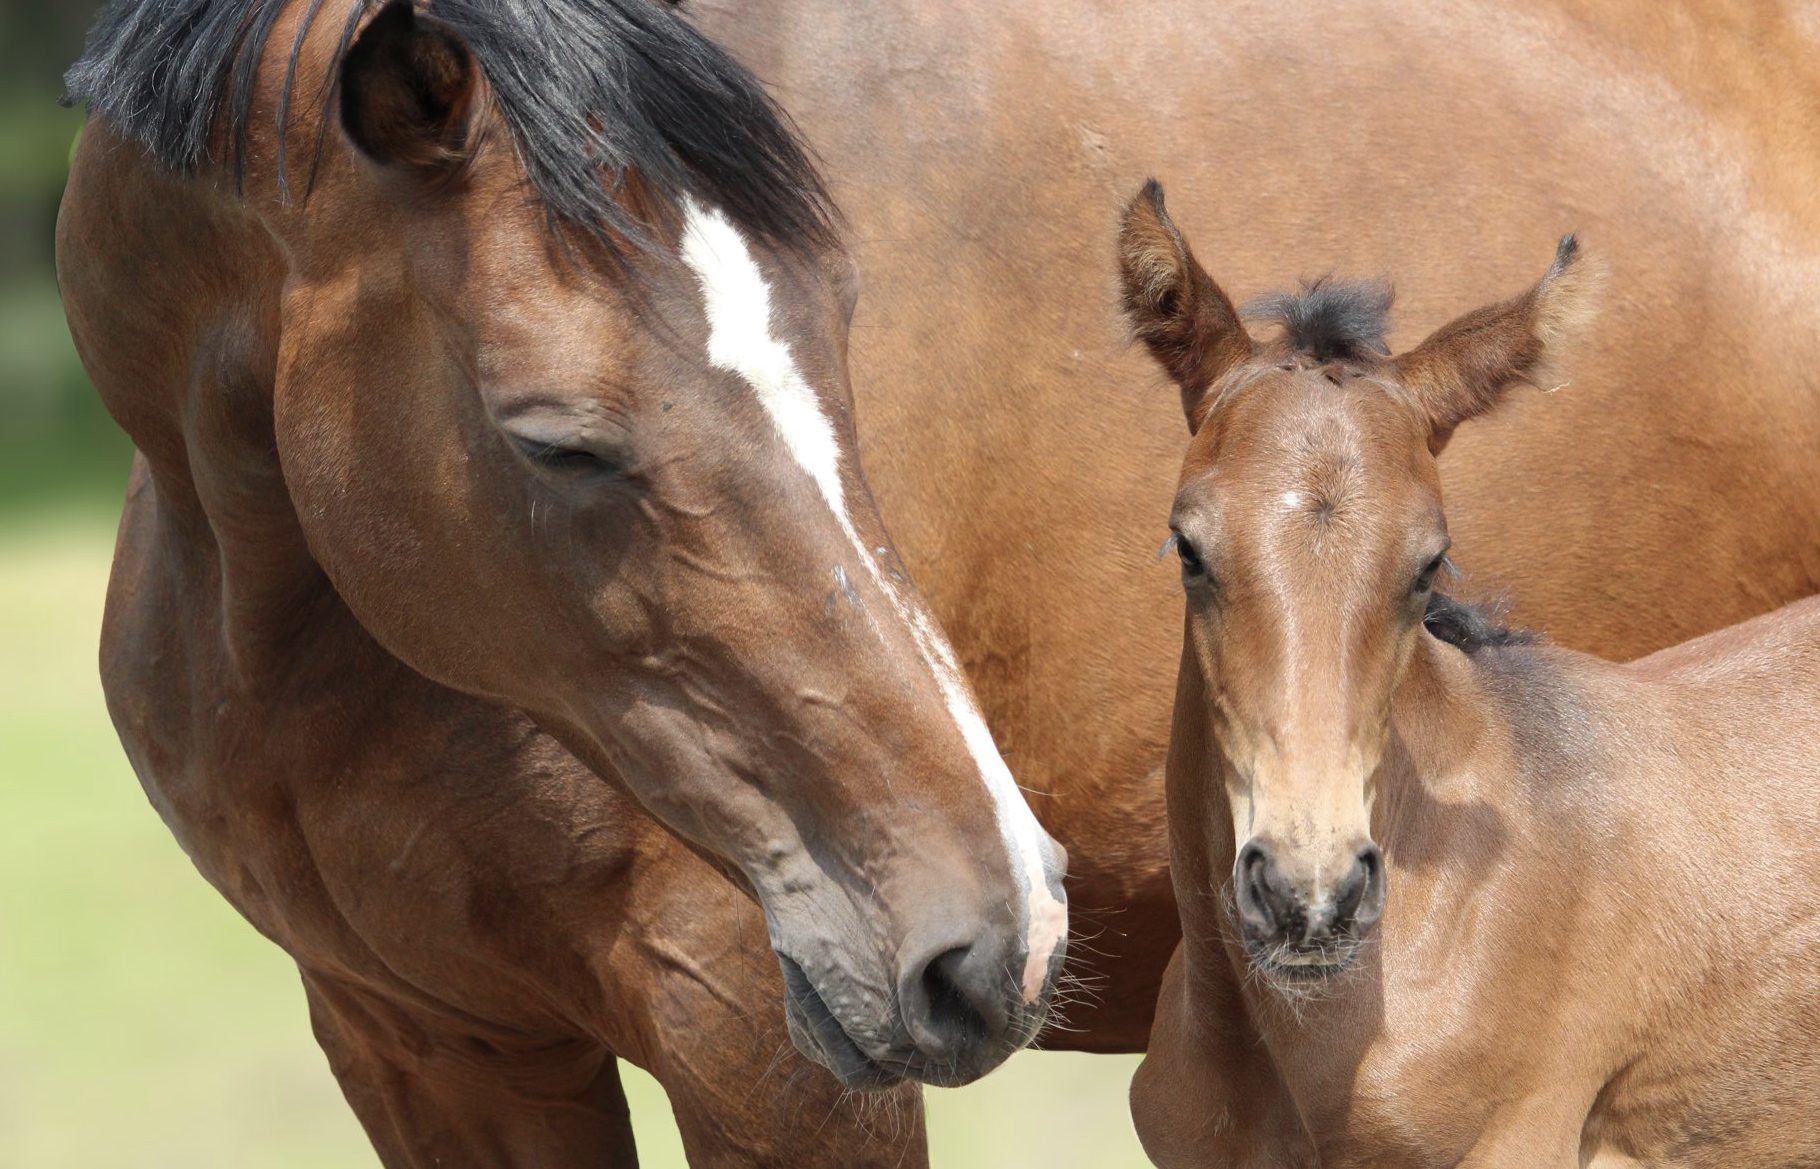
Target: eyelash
1426,578
1193,566
566,460
563,457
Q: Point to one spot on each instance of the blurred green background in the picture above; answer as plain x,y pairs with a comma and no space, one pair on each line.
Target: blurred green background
142,1023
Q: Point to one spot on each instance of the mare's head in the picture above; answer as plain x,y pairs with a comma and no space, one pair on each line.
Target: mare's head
1309,526
562,408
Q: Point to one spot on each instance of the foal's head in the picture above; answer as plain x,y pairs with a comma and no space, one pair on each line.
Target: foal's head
1309,527
562,408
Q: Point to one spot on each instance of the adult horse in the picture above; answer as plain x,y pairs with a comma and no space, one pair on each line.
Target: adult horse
488,376
1450,898
1025,454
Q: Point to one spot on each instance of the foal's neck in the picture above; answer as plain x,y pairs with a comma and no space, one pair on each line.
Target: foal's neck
1447,709
1454,726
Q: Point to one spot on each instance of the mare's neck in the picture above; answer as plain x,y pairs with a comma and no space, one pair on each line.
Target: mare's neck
197,391
192,382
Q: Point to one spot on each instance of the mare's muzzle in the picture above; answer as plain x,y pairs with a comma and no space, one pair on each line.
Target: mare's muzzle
960,1011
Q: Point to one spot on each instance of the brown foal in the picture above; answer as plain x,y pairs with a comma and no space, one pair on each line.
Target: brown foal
1024,452
1450,898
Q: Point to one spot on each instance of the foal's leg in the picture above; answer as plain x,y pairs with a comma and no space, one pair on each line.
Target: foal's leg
703,1004
435,1094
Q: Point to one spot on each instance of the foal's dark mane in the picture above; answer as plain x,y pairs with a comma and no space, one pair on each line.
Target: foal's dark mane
590,88
1471,627
1329,319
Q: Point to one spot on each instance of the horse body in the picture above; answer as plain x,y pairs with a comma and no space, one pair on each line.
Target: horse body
1598,940
415,461
1324,135
1449,898
1022,452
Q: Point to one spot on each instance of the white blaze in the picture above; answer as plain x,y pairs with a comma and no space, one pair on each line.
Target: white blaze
738,304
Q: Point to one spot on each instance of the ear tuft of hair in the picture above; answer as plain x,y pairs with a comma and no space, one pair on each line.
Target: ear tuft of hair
1151,260
1566,301
1330,320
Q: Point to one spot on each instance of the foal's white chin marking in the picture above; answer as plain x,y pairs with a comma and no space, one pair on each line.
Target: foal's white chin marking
738,304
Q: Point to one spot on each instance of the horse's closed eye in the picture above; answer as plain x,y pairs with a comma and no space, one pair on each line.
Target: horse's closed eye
565,458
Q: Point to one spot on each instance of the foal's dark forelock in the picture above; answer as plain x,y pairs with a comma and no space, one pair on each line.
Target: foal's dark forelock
592,89
1329,319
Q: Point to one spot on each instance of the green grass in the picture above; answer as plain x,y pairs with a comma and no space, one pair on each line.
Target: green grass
143,1025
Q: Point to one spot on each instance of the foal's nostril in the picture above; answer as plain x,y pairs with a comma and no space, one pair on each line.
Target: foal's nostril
1267,903
1359,900
956,1006
1248,884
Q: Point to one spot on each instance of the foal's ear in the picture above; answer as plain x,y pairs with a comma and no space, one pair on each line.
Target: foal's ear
1463,369
1174,307
410,90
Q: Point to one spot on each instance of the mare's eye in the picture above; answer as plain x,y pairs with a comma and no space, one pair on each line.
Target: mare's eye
574,441
1193,567
1425,580
567,460
562,458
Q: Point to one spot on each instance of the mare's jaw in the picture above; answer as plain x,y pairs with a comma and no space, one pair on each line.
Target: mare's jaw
820,1036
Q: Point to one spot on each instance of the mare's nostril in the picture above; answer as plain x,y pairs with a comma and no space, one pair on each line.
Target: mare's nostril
956,1005
953,1018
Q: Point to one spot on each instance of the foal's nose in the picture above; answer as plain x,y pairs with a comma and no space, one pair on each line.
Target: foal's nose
1358,900
1273,909
958,1002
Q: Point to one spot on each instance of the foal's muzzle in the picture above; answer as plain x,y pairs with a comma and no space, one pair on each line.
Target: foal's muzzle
1294,936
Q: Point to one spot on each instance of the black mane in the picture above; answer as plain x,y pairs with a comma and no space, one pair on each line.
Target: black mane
588,87
1471,627
1331,320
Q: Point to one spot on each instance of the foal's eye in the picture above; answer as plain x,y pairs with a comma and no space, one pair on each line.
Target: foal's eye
1193,567
1426,579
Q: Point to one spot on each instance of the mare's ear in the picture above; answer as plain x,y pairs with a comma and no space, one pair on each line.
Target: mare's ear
410,91
1465,367
1174,307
